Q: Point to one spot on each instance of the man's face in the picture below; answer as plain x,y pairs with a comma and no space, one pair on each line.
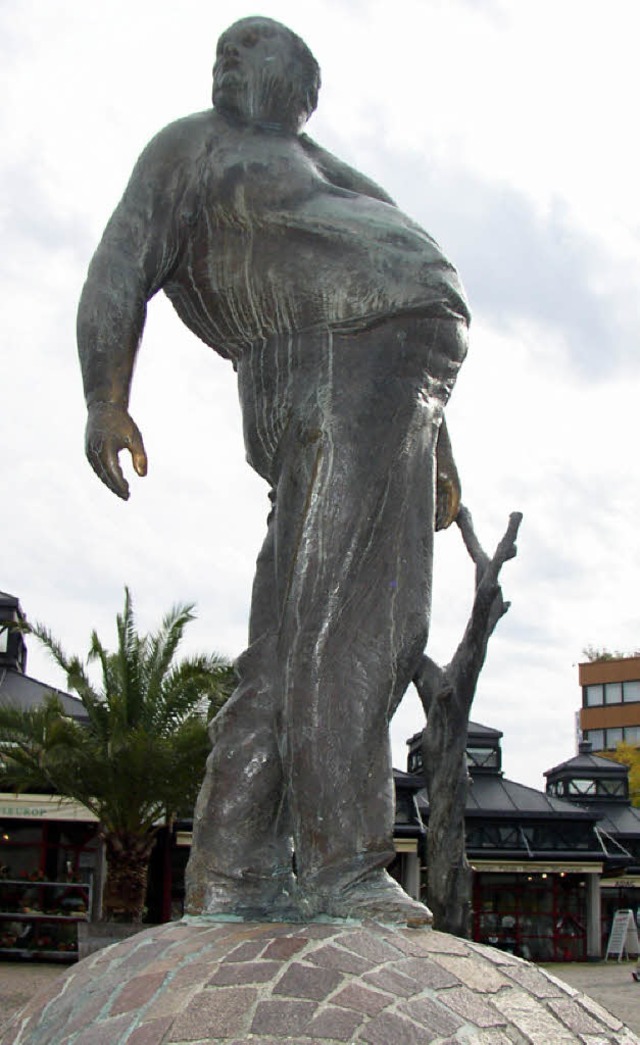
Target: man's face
253,72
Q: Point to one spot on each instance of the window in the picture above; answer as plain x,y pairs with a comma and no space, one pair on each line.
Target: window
581,787
483,757
492,835
631,692
415,762
613,693
593,696
596,736
608,739
405,810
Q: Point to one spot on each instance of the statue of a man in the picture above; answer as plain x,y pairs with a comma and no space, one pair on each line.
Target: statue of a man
346,325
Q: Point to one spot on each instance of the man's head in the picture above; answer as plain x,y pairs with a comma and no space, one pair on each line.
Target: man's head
265,74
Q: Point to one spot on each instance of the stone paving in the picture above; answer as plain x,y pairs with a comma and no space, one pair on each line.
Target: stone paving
206,982
610,983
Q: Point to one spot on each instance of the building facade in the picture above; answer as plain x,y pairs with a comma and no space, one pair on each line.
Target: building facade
51,861
540,862
610,713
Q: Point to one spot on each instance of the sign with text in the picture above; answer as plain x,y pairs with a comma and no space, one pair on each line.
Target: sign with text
623,938
42,807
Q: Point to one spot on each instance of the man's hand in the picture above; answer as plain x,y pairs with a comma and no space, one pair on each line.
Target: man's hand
447,481
447,501
109,430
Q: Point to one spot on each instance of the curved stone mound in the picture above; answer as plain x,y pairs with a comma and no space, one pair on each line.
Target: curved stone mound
238,983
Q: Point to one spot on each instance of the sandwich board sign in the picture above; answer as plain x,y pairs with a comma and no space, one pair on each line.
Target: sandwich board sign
623,938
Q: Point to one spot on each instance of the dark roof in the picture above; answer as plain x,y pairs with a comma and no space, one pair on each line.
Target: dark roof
412,781
492,795
9,599
592,765
622,820
496,794
16,688
475,730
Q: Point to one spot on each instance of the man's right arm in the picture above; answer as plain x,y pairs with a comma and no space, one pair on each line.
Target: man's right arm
136,255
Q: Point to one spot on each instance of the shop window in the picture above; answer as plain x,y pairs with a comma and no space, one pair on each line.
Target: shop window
20,849
537,916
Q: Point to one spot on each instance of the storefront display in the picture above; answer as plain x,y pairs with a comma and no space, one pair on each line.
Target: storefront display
540,917
47,872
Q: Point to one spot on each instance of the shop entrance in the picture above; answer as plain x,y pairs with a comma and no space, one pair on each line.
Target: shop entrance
541,917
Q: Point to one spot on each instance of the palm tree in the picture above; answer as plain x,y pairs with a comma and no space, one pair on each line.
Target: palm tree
138,757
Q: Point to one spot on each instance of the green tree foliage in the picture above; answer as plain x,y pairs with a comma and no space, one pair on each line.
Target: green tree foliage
628,755
138,757
597,654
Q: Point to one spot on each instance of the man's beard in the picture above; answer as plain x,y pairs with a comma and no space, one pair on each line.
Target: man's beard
265,99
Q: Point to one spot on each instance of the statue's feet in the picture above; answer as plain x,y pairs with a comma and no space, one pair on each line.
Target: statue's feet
377,897
256,901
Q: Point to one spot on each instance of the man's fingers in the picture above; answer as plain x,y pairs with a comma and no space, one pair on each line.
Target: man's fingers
138,452
109,431
115,479
119,489
105,462
139,456
140,463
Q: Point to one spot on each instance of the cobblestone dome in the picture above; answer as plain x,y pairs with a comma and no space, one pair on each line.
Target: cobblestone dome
243,983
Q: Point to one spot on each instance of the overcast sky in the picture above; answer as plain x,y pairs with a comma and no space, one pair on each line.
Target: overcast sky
509,131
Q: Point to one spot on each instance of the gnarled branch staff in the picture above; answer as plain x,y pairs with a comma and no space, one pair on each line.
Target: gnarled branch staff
447,695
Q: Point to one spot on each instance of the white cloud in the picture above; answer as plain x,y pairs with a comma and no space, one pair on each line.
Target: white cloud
508,131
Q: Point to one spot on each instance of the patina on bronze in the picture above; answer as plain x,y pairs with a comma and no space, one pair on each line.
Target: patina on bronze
346,325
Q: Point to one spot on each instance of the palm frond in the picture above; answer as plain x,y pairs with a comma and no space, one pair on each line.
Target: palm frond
162,648
129,699
198,683
141,753
77,678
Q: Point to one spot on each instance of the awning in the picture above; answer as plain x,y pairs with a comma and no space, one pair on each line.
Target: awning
401,845
631,881
534,867
405,845
42,807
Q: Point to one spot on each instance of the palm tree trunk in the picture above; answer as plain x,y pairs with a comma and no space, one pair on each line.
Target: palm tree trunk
127,871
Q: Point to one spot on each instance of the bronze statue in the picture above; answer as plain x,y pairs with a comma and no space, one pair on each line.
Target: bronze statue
346,325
